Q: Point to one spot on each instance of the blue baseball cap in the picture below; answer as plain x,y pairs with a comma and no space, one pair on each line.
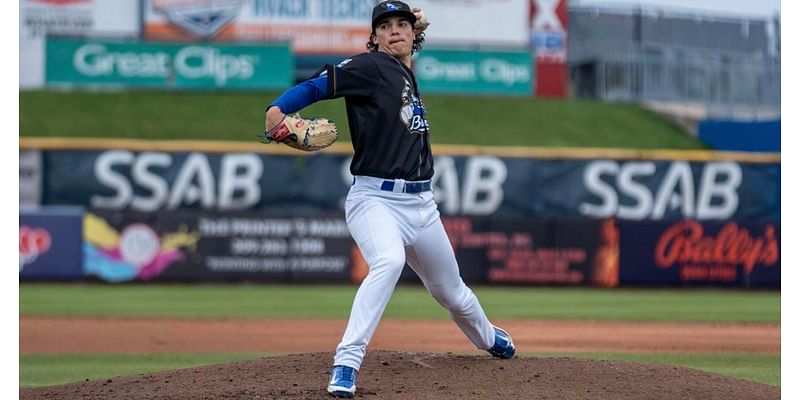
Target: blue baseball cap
386,9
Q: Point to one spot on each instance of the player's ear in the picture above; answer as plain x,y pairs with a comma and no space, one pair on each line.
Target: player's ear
373,38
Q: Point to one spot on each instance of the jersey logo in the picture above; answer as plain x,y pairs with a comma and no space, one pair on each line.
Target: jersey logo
412,112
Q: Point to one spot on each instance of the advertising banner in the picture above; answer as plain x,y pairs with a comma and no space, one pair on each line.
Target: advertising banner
313,26
548,39
50,244
452,71
154,181
691,252
330,27
58,243
30,177
486,23
194,246
287,248
480,185
39,18
650,189
204,66
197,246
526,250
117,18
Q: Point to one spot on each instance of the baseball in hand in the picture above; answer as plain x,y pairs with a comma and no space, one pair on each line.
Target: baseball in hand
422,21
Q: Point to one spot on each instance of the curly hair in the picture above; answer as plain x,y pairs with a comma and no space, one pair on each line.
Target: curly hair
419,40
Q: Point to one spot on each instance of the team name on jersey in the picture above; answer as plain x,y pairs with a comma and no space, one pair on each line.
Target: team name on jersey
412,112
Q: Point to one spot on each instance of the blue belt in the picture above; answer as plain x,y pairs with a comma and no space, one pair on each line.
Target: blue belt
408,187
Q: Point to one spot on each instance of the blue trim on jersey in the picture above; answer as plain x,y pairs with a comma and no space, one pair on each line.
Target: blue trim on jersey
303,95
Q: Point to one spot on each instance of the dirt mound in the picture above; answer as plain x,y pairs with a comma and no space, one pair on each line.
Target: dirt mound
399,375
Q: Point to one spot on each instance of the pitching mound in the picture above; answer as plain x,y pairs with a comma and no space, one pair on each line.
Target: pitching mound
397,375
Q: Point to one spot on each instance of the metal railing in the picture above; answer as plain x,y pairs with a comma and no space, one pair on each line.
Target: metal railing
717,81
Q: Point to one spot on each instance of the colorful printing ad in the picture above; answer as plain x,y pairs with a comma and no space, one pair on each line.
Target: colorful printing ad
191,246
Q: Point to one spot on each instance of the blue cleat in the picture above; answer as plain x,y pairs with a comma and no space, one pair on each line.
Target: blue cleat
503,345
343,381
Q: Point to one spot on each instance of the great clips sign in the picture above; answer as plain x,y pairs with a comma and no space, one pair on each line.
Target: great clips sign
549,41
101,63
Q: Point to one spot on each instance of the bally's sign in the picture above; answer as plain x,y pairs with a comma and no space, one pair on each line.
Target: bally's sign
699,255
130,64
634,190
740,253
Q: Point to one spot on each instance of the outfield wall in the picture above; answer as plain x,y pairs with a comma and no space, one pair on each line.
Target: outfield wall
150,176
201,211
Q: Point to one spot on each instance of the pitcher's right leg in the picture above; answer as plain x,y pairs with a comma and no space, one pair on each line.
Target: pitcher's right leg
433,260
381,244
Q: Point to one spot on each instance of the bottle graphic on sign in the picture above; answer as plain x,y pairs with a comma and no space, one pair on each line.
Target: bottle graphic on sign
605,272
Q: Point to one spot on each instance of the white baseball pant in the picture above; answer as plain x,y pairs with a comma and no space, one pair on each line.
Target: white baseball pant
392,228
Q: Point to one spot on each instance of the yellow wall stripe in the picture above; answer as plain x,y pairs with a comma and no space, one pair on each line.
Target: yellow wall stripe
212,146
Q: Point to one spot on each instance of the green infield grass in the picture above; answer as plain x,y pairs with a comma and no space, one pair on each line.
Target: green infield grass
408,301
53,369
239,116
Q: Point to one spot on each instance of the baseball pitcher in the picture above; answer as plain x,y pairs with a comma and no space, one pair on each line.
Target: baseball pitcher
390,209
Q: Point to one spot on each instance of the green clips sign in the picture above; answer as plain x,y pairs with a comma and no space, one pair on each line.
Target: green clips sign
71,62
456,71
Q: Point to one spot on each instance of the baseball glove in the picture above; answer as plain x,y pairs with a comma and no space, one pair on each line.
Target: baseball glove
303,134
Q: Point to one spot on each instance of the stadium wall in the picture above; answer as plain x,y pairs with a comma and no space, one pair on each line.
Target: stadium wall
201,211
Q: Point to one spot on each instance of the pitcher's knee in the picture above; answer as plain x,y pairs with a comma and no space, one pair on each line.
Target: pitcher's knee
455,298
391,262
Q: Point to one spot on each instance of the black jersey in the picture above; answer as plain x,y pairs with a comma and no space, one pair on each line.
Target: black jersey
386,116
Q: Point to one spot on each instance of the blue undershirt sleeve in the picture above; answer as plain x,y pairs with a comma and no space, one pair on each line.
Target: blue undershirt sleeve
303,95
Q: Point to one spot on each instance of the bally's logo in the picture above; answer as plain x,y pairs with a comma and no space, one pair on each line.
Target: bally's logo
33,242
412,112
201,18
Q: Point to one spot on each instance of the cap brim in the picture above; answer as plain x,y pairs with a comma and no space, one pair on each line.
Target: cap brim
391,13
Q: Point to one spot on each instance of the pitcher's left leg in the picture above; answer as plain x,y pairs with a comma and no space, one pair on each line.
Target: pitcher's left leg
432,258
